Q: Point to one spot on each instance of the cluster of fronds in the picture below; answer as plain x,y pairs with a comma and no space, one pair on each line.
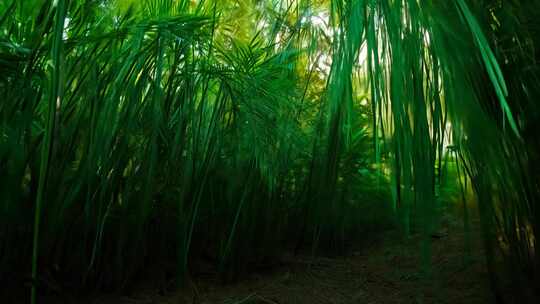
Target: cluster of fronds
158,131
437,76
173,129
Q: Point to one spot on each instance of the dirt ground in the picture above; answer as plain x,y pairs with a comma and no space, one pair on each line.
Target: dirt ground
384,272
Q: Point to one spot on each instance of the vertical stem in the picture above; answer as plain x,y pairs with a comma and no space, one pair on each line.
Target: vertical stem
54,101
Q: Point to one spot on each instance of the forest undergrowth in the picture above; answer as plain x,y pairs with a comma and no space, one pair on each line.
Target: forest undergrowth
217,136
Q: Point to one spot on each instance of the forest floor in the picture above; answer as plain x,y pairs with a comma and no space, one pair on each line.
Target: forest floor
385,271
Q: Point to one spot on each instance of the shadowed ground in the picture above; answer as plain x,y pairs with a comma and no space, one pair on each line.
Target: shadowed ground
384,272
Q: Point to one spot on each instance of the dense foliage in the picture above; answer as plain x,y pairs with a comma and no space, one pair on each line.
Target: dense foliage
232,131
